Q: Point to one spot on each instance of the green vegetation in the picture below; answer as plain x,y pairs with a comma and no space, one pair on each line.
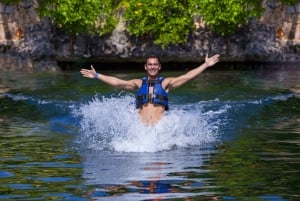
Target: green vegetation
168,22
224,17
77,16
165,21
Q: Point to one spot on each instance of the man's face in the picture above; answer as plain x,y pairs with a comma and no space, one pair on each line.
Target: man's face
152,67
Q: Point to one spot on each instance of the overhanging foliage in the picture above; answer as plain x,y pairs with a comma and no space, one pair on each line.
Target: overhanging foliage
165,21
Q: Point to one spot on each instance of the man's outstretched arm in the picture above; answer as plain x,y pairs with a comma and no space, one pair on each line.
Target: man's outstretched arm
110,80
182,79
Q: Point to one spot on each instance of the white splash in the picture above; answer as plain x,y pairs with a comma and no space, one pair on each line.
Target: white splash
113,124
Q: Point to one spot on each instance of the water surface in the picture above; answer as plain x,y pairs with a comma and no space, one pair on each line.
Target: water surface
229,135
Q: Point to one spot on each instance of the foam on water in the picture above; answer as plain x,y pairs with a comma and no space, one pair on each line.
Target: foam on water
113,124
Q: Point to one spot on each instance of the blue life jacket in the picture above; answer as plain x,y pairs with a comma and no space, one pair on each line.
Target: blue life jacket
159,96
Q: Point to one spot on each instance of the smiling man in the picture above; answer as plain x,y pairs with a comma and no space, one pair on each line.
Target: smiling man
152,94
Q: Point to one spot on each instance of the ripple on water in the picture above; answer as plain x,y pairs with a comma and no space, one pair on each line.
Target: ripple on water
4,174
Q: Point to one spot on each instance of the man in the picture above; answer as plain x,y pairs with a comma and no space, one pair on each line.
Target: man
152,95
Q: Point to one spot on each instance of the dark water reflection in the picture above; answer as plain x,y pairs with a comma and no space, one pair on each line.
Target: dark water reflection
234,135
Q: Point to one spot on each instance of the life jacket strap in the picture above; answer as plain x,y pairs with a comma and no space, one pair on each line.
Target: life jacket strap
160,97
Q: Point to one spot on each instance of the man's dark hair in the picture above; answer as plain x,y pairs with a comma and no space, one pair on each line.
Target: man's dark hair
153,57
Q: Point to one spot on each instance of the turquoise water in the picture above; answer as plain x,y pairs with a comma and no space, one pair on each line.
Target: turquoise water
229,135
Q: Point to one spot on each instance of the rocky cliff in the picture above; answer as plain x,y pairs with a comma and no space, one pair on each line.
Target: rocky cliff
29,43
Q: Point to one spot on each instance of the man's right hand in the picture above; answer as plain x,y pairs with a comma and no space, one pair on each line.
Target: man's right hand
89,73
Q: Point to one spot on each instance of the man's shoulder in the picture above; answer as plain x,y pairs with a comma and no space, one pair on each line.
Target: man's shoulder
136,82
168,79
